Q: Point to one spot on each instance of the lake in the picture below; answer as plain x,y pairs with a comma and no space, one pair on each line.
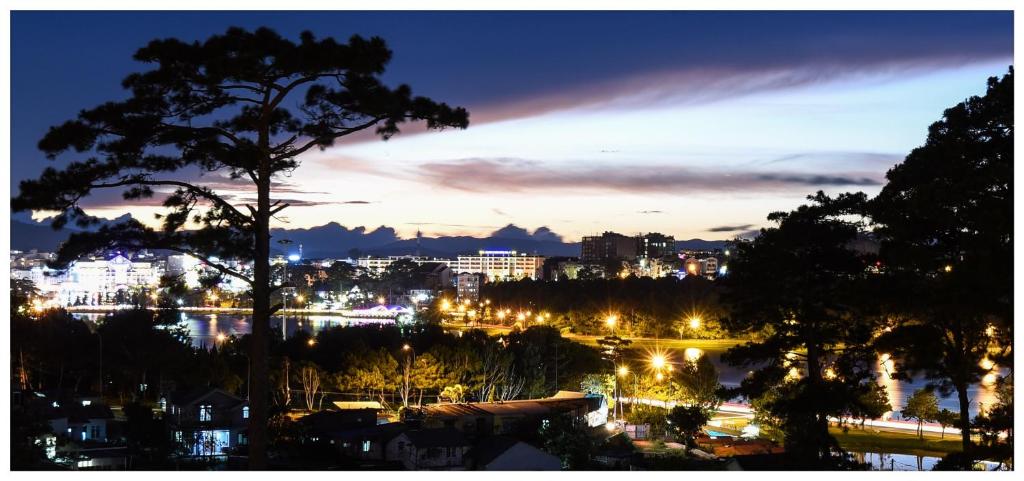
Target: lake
204,329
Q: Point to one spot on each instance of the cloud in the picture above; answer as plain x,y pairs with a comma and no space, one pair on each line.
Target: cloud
356,202
731,228
512,231
650,212
516,175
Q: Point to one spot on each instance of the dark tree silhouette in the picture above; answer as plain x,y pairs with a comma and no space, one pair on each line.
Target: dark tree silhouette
798,284
945,219
240,108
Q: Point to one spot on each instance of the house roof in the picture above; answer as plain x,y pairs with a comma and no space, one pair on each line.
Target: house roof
344,405
380,433
76,412
436,438
332,421
561,402
489,448
192,396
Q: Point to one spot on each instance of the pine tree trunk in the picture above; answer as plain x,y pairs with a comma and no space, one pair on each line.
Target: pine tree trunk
965,423
260,325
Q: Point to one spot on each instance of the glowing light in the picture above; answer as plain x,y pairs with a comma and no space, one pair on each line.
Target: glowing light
300,298
610,426
990,331
221,337
694,323
692,354
623,370
750,431
381,300
830,373
37,305
989,379
659,376
311,342
610,321
793,374
520,317
948,268
658,361
540,319
501,315
445,305
406,347
987,364
465,302
293,257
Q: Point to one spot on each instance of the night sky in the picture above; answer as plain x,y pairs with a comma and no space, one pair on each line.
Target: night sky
692,124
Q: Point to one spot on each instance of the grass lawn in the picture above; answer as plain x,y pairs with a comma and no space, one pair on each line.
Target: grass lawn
898,443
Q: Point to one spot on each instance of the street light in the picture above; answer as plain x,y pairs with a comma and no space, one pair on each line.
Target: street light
658,361
311,342
611,320
694,322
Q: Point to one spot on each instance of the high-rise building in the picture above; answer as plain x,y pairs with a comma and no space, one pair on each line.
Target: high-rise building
608,246
500,265
467,286
377,265
655,245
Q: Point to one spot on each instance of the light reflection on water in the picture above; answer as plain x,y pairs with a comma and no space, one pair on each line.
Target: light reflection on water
897,462
982,394
204,329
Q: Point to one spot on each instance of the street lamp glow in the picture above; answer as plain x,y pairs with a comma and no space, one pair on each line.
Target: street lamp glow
694,322
311,342
300,298
221,337
659,376
611,320
293,258
948,268
658,361
380,300
623,371
445,305
406,347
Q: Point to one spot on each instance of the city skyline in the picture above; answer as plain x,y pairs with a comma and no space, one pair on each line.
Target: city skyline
687,131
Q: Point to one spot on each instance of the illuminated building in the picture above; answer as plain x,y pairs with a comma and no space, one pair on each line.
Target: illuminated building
467,285
377,265
655,245
609,245
500,265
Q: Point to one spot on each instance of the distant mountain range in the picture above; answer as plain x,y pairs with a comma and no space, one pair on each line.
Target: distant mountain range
333,240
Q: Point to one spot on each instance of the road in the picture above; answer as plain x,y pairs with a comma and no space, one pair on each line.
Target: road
734,410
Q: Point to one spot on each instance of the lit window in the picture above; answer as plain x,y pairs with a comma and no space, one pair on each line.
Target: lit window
205,412
366,446
245,412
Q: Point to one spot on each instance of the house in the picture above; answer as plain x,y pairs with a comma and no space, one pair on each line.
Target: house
211,422
502,453
80,420
478,420
429,449
366,443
